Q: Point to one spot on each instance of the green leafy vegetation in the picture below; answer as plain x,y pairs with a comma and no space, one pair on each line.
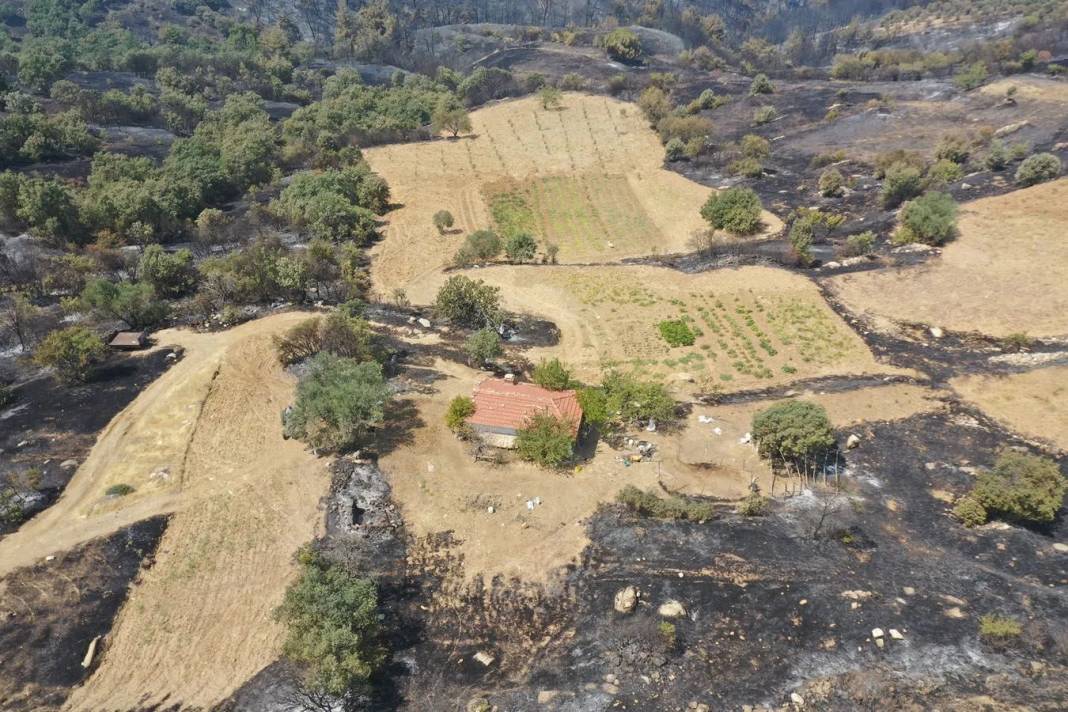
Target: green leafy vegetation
1038,168
622,45
332,623
469,302
119,490
649,505
552,374
623,399
1021,487
339,333
460,409
546,440
931,219
736,210
483,346
676,332
794,430
72,352
994,627
338,402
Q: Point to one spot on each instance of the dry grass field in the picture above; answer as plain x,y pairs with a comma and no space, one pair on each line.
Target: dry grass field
198,624
1034,403
1006,273
587,175
752,327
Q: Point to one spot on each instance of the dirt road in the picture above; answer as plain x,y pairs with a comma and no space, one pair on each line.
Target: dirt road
204,442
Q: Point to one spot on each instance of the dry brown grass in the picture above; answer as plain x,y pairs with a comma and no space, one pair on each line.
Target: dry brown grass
1006,273
593,141
198,623
1034,404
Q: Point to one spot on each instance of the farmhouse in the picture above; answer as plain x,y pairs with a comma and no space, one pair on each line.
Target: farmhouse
502,408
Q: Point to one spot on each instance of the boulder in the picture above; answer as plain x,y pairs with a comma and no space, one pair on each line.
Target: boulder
626,599
853,441
68,465
937,332
425,323
485,658
671,609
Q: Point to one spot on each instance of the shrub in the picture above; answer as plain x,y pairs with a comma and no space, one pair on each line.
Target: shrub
764,115
761,85
1023,487
736,210
171,274
998,157
545,439
793,430
299,342
480,246
460,409
675,150
468,302
668,634
930,219
451,116
520,247
72,352
1038,168
802,234
945,171
676,332
998,628
443,220
860,244
971,77
338,401
332,626
748,167
953,147
970,512
673,507
902,182
888,159
684,128
622,45
654,104
753,505
134,303
623,399
338,333
753,146
551,97
552,374
119,490
484,345
831,182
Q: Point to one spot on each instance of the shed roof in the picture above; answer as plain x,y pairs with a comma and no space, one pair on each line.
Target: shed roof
129,338
505,404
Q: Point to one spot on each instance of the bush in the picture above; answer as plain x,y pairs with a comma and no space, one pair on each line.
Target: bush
1038,168
520,247
134,303
953,147
902,181
1022,487
484,345
761,85
831,182
119,490
676,332
764,115
546,440
338,401
756,147
793,430
622,399
654,104
802,233
339,334
552,374
748,167
753,505
930,219
551,97
860,244
480,246
675,150
684,128
72,352
945,171
970,512
460,409
649,505
998,157
443,220
736,210
998,628
171,274
332,626
299,342
971,77
622,45
468,302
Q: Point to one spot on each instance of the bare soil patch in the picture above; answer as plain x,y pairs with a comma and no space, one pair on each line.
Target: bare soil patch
1006,273
601,147
1034,403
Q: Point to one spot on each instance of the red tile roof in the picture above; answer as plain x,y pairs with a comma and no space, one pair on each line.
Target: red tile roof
503,404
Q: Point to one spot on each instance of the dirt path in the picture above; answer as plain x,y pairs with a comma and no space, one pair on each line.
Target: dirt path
203,442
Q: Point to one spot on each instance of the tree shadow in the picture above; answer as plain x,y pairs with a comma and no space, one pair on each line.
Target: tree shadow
402,419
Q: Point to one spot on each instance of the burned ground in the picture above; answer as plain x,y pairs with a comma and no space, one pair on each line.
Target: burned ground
53,610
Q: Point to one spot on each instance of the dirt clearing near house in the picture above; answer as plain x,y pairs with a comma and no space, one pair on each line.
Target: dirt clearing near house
1034,404
588,177
203,441
751,327
1006,273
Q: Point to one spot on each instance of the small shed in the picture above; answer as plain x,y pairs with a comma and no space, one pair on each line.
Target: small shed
129,340
503,407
